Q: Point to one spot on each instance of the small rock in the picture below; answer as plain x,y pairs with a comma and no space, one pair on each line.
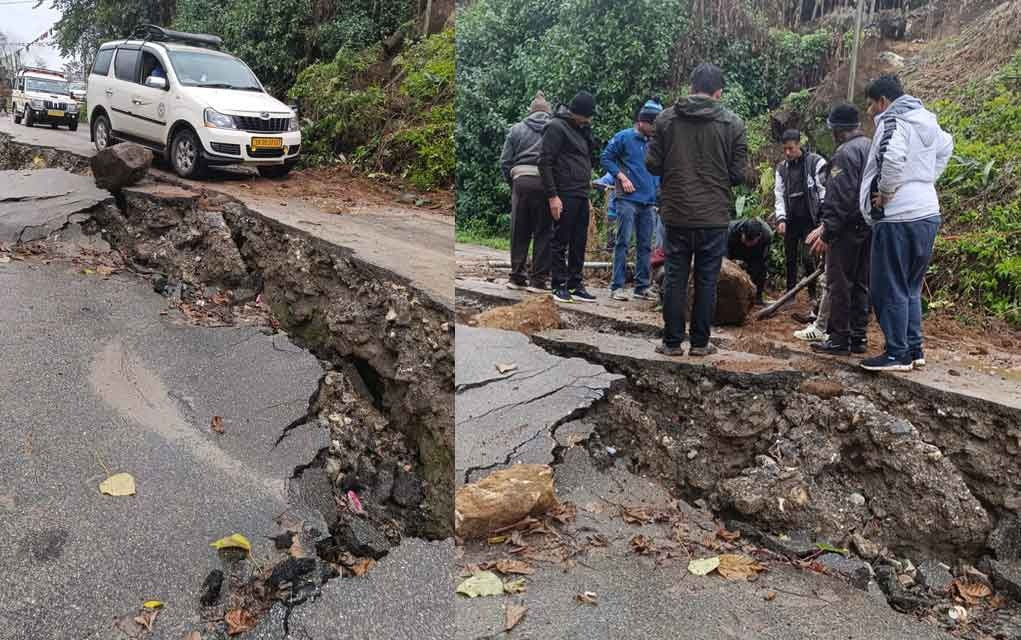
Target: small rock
1005,538
361,538
290,571
407,198
503,498
332,468
857,572
901,427
211,587
878,510
954,372
909,568
858,499
1006,577
905,581
692,454
864,547
892,59
934,575
407,489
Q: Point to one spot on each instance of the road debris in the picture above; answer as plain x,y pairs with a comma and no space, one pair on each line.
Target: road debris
502,499
482,583
119,484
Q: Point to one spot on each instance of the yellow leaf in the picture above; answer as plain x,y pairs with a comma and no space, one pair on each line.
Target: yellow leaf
235,541
515,586
482,583
119,484
734,566
152,604
704,566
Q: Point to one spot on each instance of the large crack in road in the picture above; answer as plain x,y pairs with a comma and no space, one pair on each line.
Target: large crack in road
360,466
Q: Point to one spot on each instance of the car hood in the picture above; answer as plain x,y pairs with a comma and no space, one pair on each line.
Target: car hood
53,97
234,102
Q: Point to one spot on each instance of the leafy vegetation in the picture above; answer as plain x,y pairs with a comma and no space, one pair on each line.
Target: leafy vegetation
622,53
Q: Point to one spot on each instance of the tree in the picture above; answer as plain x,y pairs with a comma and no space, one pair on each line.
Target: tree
87,23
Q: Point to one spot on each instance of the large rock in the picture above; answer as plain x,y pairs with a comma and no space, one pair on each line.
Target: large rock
121,165
735,294
503,498
532,315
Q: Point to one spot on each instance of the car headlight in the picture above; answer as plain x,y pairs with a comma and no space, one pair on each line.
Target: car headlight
295,125
217,120
36,104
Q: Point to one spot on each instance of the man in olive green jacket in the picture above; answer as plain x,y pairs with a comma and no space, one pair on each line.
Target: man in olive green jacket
700,152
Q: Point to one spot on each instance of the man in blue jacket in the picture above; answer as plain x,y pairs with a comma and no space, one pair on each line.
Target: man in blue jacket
635,200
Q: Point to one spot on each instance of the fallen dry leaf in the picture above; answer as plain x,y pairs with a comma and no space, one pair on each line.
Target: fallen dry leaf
147,618
216,424
735,566
972,592
516,586
235,540
483,583
105,271
362,566
703,566
729,536
505,368
589,597
514,613
297,550
769,596
238,621
119,484
642,545
355,502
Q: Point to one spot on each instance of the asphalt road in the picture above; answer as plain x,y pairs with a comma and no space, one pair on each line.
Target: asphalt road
414,244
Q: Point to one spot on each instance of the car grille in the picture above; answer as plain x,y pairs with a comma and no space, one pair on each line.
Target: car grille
49,104
227,149
264,153
259,125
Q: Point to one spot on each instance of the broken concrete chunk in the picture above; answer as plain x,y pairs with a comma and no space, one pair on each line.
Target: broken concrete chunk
858,573
290,571
211,588
121,165
407,489
361,538
503,498
864,547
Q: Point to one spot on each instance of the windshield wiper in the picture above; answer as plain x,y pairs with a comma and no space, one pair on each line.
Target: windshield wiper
217,85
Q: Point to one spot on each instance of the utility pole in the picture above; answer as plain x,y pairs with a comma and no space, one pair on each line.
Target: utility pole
854,51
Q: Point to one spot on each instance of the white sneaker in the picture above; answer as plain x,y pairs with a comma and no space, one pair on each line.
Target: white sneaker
811,334
620,294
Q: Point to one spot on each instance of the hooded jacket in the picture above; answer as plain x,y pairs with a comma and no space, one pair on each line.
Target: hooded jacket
523,143
908,155
565,161
700,152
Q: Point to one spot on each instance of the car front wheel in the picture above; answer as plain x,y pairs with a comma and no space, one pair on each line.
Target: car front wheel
28,117
186,154
101,132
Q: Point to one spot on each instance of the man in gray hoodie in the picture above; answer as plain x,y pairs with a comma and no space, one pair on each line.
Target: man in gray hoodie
530,216
898,199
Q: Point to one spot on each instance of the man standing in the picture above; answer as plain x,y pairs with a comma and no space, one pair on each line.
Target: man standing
635,201
748,241
530,215
700,152
798,190
844,236
565,164
898,198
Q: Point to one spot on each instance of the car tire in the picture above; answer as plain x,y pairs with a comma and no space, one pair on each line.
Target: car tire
276,170
186,154
17,118
101,132
72,127
54,126
28,117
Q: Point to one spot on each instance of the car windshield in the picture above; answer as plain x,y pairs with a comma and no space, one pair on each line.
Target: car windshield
196,69
45,85
77,86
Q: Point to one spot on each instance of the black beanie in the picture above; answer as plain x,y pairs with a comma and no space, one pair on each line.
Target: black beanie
843,115
583,104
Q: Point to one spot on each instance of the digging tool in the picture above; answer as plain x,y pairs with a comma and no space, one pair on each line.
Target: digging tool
787,297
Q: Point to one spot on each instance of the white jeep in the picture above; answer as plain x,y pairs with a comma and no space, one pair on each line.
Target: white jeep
178,95
41,96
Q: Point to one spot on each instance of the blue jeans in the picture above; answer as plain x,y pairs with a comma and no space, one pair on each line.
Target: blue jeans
640,217
900,257
708,247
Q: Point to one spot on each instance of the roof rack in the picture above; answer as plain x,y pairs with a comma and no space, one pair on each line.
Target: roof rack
154,33
50,72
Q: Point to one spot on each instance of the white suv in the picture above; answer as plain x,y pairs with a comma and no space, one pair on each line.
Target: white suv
178,95
41,96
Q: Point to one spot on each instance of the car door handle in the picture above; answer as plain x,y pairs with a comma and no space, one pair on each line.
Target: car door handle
109,92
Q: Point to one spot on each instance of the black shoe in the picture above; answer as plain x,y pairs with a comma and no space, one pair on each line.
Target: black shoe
707,350
831,347
561,295
581,295
917,358
886,362
859,346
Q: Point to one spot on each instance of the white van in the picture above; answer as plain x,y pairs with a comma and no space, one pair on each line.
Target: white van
41,96
178,95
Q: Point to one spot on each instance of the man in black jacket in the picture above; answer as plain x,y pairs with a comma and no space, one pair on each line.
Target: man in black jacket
565,164
700,151
845,237
798,193
749,241
530,216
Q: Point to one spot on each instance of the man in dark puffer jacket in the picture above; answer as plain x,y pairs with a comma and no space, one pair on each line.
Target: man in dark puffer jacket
700,151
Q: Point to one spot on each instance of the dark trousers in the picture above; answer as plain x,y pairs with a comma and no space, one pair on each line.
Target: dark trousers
900,257
570,235
707,247
531,224
847,279
796,252
755,261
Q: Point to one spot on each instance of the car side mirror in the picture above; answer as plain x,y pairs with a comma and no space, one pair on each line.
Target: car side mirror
156,83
